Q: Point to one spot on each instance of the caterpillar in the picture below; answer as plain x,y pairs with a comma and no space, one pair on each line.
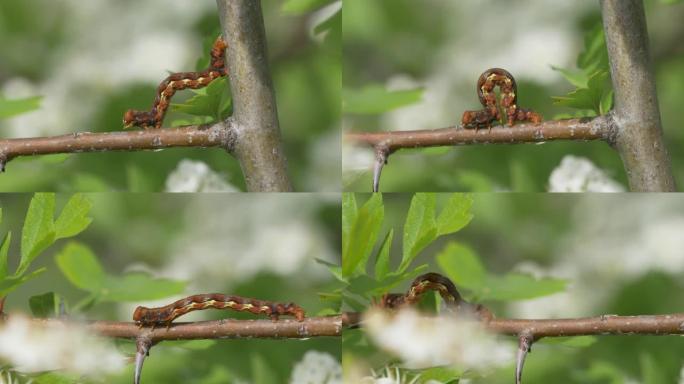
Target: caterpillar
176,82
489,79
435,282
144,316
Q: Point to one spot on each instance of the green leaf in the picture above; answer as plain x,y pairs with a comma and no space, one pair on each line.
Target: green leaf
595,55
38,232
336,270
9,108
514,286
73,219
363,235
4,249
45,305
439,375
606,102
571,341
455,215
375,99
591,97
80,266
382,265
349,215
297,7
138,287
577,78
9,284
420,228
213,101
461,264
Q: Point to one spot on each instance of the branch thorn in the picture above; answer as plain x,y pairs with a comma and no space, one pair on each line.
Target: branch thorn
381,155
143,345
525,340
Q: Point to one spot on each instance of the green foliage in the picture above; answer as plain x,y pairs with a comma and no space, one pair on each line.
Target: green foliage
40,231
46,305
363,228
213,102
462,265
593,90
83,270
375,99
9,108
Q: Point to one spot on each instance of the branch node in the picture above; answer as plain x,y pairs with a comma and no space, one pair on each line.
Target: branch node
525,340
143,345
382,152
3,161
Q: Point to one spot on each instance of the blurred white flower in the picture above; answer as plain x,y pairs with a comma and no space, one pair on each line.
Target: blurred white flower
578,174
324,157
317,368
615,239
320,16
429,341
229,240
196,176
54,346
681,376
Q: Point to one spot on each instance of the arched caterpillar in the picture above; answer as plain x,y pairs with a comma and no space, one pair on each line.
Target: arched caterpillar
144,316
433,282
176,82
485,91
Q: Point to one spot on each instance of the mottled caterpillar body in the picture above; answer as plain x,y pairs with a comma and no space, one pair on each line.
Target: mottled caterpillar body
488,80
176,82
433,282
163,316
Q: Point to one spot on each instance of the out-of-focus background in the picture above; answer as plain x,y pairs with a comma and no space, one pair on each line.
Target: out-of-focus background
435,51
90,61
617,254
254,246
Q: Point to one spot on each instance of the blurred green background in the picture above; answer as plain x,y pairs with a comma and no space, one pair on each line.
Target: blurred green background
260,246
434,53
90,61
619,254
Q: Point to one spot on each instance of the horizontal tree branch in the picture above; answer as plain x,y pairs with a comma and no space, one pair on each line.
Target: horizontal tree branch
385,143
598,128
221,329
670,324
216,135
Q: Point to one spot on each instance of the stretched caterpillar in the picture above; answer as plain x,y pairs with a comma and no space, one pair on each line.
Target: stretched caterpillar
485,91
435,282
144,316
176,82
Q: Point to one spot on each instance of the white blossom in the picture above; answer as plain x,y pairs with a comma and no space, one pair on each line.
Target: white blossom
317,368
428,341
578,174
55,346
196,176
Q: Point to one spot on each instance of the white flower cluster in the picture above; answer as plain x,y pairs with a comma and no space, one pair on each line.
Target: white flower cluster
578,174
196,176
428,341
317,368
34,348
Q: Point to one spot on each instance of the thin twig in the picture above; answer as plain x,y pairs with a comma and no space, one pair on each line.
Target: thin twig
217,135
220,329
670,324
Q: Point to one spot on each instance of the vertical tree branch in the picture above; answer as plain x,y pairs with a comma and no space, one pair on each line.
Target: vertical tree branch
258,144
639,138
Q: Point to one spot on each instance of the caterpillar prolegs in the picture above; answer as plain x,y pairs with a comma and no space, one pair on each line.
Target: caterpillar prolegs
176,82
489,79
163,316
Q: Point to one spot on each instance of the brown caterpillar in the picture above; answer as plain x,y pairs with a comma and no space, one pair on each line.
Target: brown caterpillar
435,282
176,82
485,91
144,316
